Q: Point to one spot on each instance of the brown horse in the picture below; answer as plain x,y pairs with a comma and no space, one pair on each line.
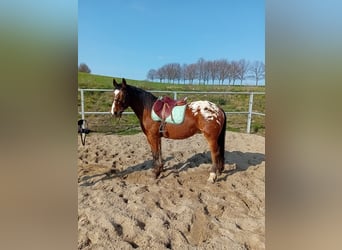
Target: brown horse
200,117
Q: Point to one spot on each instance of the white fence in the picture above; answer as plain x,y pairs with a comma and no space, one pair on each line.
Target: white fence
249,113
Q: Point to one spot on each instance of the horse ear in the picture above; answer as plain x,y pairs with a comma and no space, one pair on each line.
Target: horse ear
115,84
124,84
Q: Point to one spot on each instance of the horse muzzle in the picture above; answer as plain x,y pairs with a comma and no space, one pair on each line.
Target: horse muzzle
117,114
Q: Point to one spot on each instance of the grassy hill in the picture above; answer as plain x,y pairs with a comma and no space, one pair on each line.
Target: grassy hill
102,101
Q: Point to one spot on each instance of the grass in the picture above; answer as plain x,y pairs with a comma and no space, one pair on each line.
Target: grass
129,124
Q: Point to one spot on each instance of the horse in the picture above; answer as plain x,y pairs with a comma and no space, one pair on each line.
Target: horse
200,117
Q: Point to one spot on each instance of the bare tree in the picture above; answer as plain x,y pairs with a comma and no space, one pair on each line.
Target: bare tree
161,73
244,67
190,72
172,71
183,70
152,74
84,68
206,71
175,71
178,72
200,70
213,67
257,70
167,69
234,71
223,70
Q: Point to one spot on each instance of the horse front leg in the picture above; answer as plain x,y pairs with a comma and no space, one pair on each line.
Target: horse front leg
155,143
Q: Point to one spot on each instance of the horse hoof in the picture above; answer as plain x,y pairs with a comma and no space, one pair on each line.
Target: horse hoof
212,178
156,174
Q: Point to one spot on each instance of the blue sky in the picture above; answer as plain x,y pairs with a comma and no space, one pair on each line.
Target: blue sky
127,38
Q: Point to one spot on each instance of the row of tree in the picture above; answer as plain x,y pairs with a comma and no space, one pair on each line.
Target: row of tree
203,71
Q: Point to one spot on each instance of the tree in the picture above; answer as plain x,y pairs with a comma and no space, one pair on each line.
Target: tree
84,68
161,73
200,70
152,74
213,69
183,75
190,72
178,72
206,71
234,71
243,70
174,71
223,70
257,71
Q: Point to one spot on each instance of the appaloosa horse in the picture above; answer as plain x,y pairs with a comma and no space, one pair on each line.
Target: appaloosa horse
200,117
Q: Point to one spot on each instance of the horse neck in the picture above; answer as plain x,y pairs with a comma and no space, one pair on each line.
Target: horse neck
140,100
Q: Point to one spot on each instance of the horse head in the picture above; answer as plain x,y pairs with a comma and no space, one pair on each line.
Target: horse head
120,102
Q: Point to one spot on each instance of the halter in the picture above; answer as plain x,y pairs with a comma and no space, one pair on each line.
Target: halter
123,99
120,101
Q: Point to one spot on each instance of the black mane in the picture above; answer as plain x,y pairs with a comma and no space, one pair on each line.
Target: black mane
146,97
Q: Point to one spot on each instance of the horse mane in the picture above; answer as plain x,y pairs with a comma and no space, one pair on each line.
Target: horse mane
146,97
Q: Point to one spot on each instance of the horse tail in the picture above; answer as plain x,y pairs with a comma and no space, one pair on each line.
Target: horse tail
221,143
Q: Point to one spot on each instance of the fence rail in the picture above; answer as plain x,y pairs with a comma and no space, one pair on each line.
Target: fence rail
249,113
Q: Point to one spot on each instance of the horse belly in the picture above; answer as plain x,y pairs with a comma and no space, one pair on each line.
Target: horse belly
181,131
188,128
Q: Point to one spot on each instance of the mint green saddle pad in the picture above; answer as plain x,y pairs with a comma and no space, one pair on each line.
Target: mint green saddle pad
178,113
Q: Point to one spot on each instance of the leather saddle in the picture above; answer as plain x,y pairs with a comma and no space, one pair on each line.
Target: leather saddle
164,105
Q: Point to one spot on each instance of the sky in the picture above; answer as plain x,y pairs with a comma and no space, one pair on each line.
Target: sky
127,38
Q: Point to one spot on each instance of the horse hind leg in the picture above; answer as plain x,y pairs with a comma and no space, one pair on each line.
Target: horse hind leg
215,155
217,147
217,158
217,163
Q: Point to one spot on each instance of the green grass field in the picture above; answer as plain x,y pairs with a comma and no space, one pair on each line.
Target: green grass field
129,124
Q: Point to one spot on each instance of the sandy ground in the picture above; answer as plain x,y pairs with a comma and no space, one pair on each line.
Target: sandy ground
122,206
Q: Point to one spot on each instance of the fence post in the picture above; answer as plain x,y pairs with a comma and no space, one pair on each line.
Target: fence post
82,104
250,109
175,95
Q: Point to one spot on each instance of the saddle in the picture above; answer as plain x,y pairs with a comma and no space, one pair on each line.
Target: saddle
163,109
164,105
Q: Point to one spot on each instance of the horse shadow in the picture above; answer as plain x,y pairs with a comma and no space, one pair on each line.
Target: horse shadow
240,161
115,173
